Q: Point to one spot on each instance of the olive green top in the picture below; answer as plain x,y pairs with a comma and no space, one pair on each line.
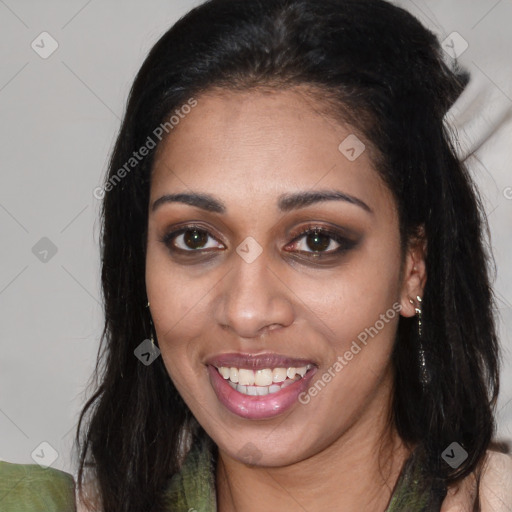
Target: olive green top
31,488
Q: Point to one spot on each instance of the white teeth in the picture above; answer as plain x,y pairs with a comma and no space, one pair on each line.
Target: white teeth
245,377
279,375
224,372
301,371
261,382
251,390
262,390
263,377
233,374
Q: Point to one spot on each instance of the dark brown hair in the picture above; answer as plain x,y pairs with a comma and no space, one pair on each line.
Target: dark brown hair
386,71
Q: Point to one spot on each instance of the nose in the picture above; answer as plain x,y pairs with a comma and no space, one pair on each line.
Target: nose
254,299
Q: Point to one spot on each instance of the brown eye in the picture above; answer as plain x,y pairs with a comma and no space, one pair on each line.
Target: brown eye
190,239
194,239
317,241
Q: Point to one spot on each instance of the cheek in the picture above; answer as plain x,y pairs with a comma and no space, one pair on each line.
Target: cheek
356,370
178,309
351,299
358,313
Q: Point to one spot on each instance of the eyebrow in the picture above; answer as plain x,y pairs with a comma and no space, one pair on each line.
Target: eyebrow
286,202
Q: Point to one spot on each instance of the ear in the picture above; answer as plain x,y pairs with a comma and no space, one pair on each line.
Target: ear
414,275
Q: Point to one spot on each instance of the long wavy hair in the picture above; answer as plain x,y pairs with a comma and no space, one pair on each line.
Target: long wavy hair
383,73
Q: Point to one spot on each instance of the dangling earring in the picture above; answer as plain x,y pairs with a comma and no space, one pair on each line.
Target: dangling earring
151,328
424,373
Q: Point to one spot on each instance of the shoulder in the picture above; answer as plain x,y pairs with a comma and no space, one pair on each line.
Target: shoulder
496,483
494,489
35,487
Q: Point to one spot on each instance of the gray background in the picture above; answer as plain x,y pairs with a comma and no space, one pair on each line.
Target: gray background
59,118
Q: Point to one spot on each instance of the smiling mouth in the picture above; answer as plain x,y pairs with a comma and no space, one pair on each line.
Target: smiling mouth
263,381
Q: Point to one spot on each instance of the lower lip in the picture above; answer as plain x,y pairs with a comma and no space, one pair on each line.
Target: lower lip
257,407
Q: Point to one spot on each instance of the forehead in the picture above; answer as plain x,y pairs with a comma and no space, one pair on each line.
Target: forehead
261,144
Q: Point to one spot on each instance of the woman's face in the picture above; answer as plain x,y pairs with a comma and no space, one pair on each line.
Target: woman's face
247,303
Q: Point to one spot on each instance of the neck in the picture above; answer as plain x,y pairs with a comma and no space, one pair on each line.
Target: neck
356,472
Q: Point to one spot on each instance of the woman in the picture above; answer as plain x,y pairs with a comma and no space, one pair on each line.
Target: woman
285,219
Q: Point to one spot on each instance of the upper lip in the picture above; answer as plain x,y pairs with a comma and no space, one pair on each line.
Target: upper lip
257,361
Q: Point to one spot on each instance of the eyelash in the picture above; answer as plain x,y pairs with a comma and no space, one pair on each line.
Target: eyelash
344,243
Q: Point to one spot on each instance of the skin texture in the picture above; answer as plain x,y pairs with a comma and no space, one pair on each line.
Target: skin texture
495,489
247,149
